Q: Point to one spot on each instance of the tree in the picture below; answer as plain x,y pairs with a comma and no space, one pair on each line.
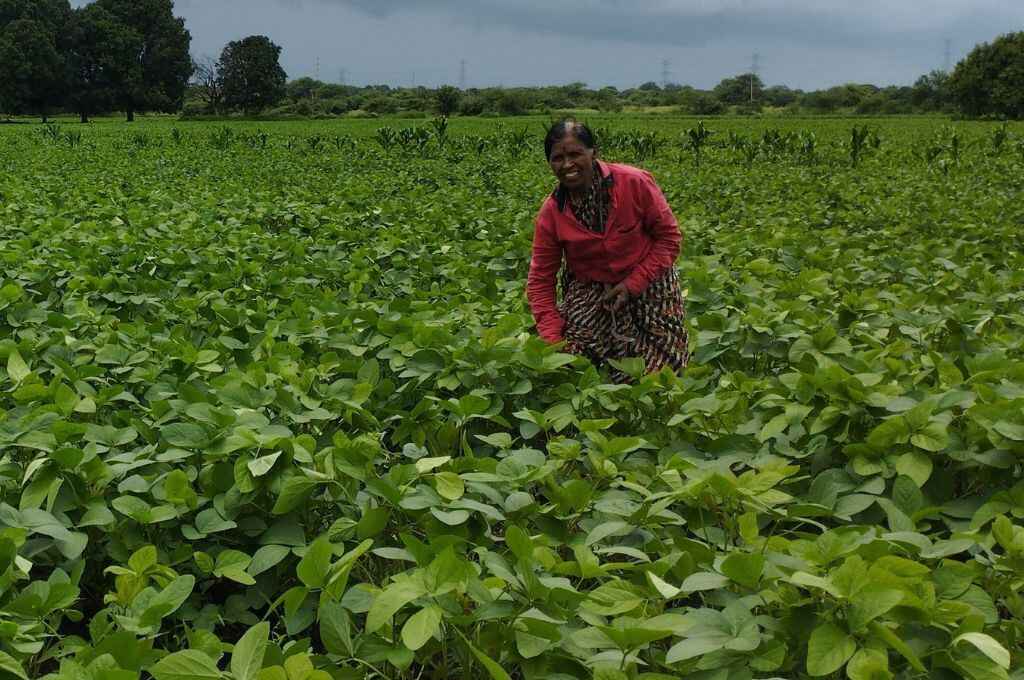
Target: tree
303,88
780,95
101,60
251,73
739,90
208,84
448,100
931,91
990,81
165,65
31,68
32,72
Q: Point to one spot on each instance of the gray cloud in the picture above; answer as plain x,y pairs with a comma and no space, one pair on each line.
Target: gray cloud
832,23
803,43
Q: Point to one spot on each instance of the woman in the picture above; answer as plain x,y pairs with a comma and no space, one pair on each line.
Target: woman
620,240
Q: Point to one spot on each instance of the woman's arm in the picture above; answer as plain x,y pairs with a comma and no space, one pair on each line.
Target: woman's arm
541,282
661,224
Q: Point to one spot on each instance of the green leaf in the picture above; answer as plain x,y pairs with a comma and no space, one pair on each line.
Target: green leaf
907,496
313,567
373,522
9,664
988,646
828,649
889,433
168,600
387,603
263,464
704,580
189,664
17,369
452,518
266,558
335,629
915,465
519,543
421,626
493,669
872,602
664,588
1010,430
869,664
185,435
890,638
295,490
933,437
449,485
425,465
247,657
743,568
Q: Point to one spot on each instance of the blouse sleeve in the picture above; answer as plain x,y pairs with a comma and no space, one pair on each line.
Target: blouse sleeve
541,282
661,224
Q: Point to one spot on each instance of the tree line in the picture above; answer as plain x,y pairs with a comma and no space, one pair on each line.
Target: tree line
126,55
742,94
134,56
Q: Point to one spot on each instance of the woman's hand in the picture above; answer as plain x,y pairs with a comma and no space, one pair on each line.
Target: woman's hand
615,296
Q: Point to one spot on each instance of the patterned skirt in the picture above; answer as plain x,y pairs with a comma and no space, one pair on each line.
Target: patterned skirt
651,326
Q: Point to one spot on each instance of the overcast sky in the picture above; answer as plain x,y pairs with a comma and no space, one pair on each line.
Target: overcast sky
801,43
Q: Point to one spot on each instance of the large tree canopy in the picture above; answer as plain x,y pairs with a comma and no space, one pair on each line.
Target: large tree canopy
251,75
101,60
32,65
990,81
163,55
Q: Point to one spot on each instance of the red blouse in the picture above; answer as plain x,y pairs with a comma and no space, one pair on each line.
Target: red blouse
640,240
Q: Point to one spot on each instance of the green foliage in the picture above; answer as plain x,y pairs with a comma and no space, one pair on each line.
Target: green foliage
32,63
163,64
447,100
990,80
251,77
271,408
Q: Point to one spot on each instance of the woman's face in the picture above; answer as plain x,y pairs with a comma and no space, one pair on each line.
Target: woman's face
572,163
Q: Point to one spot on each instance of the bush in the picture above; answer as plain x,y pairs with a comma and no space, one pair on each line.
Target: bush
513,103
706,105
472,105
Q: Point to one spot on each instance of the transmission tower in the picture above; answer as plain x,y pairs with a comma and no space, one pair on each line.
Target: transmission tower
666,72
755,65
947,62
462,74
342,76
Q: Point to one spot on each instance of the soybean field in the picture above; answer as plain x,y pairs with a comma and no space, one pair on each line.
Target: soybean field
272,407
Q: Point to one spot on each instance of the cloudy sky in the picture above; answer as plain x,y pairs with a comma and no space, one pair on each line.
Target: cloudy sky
801,43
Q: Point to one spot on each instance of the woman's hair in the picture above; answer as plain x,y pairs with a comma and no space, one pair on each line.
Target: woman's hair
567,128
